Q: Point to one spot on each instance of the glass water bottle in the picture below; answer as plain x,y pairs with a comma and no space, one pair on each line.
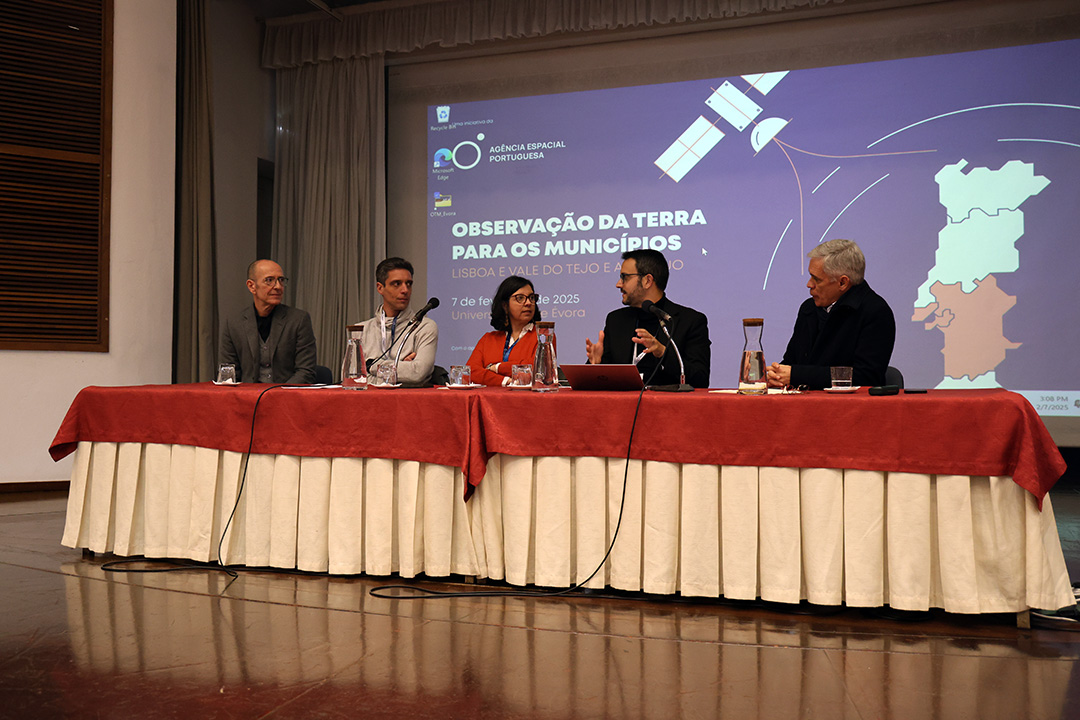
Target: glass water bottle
752,368
353,367
545,366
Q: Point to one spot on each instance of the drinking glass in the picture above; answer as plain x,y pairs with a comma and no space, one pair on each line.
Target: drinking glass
841,376
521,375
460,375
386,374
226,374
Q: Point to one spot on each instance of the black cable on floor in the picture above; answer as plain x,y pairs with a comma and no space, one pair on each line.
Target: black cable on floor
115,566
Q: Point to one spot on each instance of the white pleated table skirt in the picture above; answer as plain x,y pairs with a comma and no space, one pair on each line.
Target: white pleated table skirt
910,541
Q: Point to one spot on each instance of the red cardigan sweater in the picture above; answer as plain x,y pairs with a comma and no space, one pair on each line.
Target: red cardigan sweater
489,349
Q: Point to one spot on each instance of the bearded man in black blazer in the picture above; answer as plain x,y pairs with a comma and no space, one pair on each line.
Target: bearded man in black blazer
268,341
632,335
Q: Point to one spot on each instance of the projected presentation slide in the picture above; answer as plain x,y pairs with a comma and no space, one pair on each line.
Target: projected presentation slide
958,175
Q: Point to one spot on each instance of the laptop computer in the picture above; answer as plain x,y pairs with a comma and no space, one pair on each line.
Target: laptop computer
602,377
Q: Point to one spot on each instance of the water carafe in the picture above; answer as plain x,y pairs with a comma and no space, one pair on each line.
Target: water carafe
752,368
545,366
353,367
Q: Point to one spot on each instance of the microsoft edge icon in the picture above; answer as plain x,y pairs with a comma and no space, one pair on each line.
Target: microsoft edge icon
443,157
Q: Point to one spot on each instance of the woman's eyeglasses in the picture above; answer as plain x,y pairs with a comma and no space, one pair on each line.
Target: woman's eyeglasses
521,298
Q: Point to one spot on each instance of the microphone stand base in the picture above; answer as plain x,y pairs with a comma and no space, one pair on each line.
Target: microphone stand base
681,387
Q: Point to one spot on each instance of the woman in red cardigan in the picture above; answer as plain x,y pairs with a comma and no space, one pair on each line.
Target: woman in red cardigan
513,342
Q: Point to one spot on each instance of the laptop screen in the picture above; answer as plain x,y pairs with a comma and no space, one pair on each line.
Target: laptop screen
603,377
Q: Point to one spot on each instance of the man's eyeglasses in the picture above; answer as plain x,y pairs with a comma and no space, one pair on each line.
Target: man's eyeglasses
623,276
520,298
269,281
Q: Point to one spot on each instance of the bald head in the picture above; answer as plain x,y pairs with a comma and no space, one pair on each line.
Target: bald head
260,265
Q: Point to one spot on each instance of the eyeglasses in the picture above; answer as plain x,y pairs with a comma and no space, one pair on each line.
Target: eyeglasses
269,281
794,389
623,276
520,298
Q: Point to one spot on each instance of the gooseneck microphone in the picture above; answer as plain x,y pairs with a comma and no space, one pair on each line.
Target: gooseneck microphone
432,303
650,306
664,319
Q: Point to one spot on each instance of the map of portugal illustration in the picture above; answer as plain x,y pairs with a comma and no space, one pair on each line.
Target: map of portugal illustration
961,296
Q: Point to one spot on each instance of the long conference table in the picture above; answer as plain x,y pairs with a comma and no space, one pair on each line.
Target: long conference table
912,501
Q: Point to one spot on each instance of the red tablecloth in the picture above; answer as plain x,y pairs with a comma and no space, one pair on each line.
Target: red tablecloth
955,432
425,425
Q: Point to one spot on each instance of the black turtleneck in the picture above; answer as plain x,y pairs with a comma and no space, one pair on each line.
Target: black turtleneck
263,323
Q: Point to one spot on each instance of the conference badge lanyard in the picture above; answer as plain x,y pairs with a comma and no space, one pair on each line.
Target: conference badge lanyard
638,355
387,340
508,346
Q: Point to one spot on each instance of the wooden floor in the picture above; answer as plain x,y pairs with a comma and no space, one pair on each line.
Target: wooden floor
76,641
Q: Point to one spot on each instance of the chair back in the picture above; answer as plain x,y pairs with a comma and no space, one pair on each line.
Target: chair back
323,376
439,376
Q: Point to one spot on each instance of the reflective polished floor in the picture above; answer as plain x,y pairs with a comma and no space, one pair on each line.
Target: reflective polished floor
81,642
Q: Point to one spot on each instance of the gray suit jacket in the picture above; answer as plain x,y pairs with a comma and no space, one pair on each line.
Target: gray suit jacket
291,342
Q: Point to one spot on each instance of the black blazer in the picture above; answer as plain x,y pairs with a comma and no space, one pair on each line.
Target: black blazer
689,328
859,331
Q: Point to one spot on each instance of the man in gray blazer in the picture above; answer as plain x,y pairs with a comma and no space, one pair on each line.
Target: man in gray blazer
267,341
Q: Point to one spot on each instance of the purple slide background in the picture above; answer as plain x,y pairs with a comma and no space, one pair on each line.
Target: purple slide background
612,137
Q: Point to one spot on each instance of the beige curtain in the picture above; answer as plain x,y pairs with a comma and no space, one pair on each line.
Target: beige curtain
329,196
195,319
449,23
